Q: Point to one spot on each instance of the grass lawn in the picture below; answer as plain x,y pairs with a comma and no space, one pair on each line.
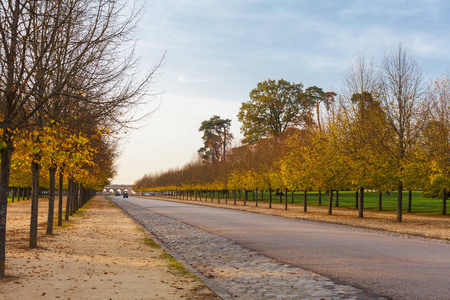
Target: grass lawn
347,199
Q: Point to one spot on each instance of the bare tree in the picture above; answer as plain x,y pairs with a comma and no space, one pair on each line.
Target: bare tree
384,113
405,104
360,77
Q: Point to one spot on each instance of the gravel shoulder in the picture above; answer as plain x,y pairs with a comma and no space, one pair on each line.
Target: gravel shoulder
99,254
427,226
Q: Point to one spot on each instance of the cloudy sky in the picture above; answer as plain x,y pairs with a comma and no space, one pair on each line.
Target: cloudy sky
218,50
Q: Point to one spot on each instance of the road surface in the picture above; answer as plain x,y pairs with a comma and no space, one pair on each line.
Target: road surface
385,264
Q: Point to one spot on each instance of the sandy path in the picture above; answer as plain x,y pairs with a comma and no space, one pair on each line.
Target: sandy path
101,255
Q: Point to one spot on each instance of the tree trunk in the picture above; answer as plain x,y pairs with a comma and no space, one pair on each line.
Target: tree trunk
79,193
234,196
68,199
337,199
83,196
305,205
318,117
281,196
5,169
270,198
292,197
320,197
245,197
444,201
356,199
34,204
51,200
361,203
285,198
380,200
409,200
399,201
256,197
330,203
74,198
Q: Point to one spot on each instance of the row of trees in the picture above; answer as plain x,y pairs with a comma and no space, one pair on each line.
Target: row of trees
68,81
388,129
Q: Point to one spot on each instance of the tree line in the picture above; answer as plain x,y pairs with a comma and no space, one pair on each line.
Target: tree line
388,129
69,84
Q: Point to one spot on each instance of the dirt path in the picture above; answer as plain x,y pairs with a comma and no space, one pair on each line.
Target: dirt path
430,226
102,254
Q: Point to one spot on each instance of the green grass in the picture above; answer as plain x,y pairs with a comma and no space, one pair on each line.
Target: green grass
79,212
172,263
15,199
151,243
419,204
64,224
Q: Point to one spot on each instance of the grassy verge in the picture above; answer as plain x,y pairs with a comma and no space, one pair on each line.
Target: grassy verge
419,204
172,263
151,243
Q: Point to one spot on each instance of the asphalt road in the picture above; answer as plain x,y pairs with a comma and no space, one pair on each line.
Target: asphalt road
388,265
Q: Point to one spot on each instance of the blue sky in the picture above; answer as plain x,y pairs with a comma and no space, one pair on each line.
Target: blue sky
217,51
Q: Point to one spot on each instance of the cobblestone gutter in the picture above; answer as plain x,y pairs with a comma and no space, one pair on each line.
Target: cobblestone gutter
241,273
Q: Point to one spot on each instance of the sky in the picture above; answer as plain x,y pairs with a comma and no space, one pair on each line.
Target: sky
216,51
